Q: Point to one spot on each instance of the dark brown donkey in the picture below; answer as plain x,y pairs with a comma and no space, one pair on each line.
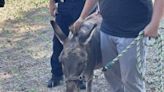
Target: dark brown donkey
80,54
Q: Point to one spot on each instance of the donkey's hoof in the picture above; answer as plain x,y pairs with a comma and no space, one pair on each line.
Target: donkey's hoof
82,85
53,82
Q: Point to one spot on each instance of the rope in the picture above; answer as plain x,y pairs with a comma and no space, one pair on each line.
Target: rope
110,64
159,67
159,64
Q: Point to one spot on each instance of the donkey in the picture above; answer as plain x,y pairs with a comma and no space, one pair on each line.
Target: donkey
81,53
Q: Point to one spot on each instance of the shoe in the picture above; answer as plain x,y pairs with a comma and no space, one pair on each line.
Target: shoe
82,85
54,81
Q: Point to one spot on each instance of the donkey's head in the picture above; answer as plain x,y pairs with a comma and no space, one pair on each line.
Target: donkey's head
74,54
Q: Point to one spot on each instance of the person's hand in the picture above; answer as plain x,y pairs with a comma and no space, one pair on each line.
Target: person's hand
53,11
76,26
151,30
95,18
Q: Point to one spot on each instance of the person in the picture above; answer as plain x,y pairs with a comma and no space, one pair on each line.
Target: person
67,12
2,3
122,22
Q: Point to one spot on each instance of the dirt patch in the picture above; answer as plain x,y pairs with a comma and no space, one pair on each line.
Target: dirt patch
26,47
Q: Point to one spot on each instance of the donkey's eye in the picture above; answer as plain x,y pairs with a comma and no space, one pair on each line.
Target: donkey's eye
82,54
80,63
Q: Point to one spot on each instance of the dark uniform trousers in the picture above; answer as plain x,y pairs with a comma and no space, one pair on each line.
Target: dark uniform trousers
68,12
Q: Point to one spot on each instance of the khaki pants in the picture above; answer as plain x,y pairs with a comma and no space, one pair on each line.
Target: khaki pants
124,76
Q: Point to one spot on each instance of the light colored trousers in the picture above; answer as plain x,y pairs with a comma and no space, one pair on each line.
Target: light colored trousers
124,76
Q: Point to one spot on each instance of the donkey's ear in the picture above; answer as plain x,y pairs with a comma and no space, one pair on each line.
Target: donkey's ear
58,32
91,24
86,33
73,30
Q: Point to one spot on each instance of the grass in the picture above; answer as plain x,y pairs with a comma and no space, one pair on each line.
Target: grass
14,9
26,47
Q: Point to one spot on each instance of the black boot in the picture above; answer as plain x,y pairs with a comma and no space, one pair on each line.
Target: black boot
54,81
82,84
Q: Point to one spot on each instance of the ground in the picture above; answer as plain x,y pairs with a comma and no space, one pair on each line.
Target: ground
26,47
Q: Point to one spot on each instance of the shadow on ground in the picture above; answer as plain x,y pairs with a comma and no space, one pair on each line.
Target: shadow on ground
25,50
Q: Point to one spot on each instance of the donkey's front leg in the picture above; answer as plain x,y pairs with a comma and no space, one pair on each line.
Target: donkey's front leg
89,85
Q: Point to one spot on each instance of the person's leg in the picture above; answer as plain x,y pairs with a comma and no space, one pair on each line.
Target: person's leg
56,71
130,76
64,21
55,64
2,3
109,52
57,46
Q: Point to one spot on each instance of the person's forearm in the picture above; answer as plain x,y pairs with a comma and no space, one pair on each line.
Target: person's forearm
157,12
89,4
52,6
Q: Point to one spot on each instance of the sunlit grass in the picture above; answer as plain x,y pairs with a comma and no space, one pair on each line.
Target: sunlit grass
14,8
24,31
